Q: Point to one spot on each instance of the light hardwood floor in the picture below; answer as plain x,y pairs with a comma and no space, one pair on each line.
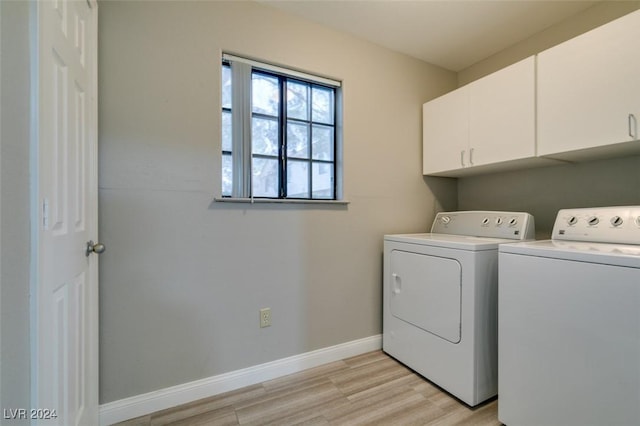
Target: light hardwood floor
372,388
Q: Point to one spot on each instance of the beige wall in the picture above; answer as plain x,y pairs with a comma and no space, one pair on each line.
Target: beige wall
543,192
183,277
595,16
14,202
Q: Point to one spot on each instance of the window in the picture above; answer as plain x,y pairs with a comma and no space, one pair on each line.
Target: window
279,132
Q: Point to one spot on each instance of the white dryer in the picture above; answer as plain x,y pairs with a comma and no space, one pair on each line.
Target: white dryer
569,323
440,299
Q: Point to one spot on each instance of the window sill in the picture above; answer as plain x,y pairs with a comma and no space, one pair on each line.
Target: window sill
278,201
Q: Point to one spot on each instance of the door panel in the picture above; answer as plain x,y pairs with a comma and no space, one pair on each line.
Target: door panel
426,292
66,358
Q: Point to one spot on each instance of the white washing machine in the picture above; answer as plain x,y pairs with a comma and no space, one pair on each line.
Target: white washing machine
569,323
440,299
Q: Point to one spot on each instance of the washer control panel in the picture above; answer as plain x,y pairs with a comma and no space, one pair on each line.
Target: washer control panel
618,225
490,224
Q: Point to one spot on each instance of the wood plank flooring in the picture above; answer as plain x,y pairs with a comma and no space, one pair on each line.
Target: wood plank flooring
369,389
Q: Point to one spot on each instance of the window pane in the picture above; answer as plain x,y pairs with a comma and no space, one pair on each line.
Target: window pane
322,143
226,131
322,180
265,94
265,177
293,136
322,106
298,179
227,174
226,86
297,100
264,136
297,140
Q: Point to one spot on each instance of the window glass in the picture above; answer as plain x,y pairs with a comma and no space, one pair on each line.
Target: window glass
264,136
265,94
226,86
227,169
291,133
298,100
322,143
322,105
265,177
322,175
297,140
226,131
297,179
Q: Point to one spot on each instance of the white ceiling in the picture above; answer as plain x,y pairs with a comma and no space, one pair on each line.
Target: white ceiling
453,34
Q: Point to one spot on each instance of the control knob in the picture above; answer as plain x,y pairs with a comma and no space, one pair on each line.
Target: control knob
485,221
572,220
445,219
499,221
593,220
513,221
616,221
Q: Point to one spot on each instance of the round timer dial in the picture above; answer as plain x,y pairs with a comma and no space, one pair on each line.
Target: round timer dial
616,221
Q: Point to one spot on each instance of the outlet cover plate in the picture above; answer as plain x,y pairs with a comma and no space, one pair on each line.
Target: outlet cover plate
265,317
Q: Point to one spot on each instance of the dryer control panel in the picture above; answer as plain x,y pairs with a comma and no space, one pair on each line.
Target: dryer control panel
488,224
617,225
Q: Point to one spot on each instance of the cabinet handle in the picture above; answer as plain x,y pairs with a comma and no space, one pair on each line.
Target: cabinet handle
471,157
462,158
633,133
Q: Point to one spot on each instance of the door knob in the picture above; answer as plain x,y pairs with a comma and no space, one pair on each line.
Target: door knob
94,248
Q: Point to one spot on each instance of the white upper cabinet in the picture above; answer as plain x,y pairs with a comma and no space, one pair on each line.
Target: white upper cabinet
502,115
579,100
589,93
485,126
445,132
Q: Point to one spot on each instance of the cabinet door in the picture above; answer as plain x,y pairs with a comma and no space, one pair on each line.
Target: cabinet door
588,86
502,115
445,132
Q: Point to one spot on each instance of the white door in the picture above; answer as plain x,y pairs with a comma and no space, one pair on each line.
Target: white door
66,279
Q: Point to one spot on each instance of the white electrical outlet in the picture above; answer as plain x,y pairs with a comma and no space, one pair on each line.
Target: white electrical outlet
265,317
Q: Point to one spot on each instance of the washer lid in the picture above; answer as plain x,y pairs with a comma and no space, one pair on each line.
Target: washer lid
458,242
607,254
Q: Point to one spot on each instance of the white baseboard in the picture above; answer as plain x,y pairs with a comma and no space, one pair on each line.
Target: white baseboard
140,405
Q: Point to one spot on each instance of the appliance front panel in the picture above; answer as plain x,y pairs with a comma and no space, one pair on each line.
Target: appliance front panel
426,292
569,348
